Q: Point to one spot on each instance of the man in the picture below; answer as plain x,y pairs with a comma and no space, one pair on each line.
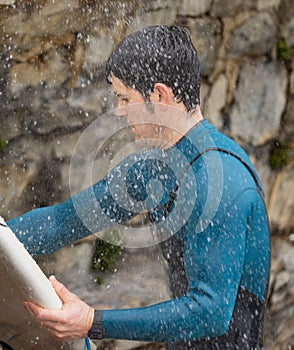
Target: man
218,249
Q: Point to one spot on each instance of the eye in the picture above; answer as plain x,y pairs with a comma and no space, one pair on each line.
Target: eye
122,98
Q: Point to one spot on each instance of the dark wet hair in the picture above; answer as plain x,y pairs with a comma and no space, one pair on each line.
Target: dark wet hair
158,54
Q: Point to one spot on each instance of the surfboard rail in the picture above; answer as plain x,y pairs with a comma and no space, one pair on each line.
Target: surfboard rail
22,279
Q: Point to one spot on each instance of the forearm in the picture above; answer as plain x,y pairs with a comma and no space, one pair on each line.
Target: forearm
113,200
47,229
181,319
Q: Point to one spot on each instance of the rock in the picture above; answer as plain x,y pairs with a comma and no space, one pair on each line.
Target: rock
194,8
44,66
258,106
281,204
6,2
143,18
153,5
216,101
285,253
287,23
231,8
292,80
206,36
14,180
279,320
288,120
97,50
12,124
94,99
282,280
265,4
204,92
255,37
260,160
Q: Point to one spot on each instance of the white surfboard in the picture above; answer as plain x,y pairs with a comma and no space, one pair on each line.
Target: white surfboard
22,279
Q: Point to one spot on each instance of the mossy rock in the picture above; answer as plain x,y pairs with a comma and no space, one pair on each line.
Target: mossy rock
279,155
106,254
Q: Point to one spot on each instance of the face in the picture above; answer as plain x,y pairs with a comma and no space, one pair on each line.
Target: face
131,105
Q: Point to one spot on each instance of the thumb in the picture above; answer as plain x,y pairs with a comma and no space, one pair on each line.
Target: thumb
64,294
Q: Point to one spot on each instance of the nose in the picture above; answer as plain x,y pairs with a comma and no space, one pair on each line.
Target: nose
120,112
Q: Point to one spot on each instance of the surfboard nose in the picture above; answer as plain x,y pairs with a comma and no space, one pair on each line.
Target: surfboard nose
2,223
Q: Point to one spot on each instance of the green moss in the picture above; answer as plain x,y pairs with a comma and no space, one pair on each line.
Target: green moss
279,155
106,254
283,51
2,144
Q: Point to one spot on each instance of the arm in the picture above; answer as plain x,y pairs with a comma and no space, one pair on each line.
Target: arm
111,201
214,260
103,205
47,229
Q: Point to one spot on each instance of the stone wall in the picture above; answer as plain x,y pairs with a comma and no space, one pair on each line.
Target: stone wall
52,87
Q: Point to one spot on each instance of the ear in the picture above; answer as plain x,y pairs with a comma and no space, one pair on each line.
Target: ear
163,94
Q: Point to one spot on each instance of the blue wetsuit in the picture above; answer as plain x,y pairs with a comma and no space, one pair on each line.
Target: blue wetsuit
218,255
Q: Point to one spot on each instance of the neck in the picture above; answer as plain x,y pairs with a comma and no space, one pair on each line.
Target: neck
184,122
196,114
188,121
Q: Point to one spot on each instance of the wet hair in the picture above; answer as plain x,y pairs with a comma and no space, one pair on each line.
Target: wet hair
158,54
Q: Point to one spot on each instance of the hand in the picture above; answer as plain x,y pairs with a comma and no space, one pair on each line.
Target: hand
72,321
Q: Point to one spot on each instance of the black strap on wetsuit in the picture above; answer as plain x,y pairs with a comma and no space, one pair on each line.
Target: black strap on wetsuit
167,207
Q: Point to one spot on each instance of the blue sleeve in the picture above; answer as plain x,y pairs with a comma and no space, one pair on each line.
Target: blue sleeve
47,229
113,200
213,263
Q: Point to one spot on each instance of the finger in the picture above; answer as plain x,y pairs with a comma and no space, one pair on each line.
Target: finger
43,315
58,330
32,307
65,295
33,311
53,329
